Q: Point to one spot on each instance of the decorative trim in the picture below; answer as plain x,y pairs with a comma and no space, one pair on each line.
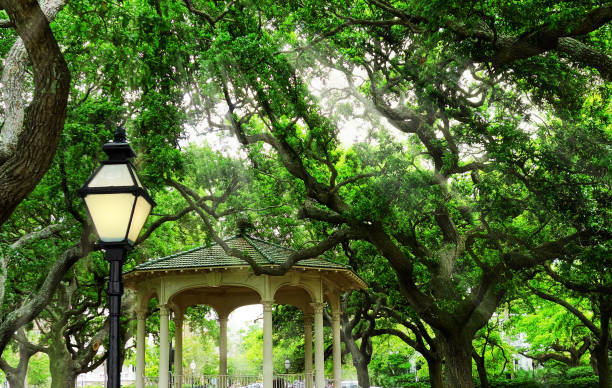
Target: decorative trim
267,305
141,315
318,307
164,309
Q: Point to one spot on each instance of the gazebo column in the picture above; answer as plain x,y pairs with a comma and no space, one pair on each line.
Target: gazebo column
308,349
223,350
319,352
267,343
141,316
178,350
164,346
337,353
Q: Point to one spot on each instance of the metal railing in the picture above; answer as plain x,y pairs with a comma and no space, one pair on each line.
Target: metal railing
291,380
215,381
151,381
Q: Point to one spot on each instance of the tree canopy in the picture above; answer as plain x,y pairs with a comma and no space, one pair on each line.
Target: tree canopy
479,181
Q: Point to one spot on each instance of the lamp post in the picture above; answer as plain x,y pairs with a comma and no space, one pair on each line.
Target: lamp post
287,366
118,205
192,366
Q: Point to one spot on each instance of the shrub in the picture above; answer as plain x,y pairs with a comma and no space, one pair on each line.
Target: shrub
579,371
578,382
416,385
513,383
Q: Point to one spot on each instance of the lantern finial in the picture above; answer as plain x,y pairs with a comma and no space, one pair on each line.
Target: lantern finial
120,135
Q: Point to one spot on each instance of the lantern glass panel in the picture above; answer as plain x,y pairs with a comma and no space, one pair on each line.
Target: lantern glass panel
112,175
110,214
141,212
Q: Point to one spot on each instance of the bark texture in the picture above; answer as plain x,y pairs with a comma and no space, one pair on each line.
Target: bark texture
21,170
458,361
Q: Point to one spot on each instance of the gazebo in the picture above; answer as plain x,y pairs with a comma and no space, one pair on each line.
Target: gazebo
207,275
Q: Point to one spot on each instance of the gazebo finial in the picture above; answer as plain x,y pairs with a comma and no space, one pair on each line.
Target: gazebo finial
244,226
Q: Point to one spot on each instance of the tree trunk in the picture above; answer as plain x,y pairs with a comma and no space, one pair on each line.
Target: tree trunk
435,373
17,380
603,366
61,365
600,350
44,118
482,371
62,373
363,375
16,376
458,361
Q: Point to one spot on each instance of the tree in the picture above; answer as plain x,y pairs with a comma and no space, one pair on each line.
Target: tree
16,375
596,319
552,334
22,164
487,154
459,214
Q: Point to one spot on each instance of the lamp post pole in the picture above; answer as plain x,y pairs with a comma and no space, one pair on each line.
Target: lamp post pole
118,205
115,255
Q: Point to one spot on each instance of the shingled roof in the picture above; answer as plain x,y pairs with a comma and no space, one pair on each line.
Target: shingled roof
212,256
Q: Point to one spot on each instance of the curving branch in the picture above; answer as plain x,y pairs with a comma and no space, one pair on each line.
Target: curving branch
207,17
39,300
562,302
582,288
331,241
22,168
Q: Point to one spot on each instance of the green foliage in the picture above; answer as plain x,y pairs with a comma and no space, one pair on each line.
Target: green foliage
390,365
579,371
249,359
38,370
515,383
541,135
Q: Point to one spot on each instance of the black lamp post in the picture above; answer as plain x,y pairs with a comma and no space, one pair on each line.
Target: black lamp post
118,205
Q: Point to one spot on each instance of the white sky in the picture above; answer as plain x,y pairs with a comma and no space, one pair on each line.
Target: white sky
243,317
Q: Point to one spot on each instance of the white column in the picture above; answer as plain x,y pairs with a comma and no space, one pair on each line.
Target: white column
178,352
267,344
337,356
164,346
319,355
223,351
308,349
141,315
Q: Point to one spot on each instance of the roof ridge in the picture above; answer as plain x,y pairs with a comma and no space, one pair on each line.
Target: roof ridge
272,243
141,265
158,260
265,255
336,262
323,256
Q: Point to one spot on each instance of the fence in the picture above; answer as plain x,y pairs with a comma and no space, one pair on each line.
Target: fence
299,380
215,381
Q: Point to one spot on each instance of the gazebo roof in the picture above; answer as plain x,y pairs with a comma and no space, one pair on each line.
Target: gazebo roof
213,256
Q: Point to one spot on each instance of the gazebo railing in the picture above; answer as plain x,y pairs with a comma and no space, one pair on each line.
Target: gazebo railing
151,381
216,381
291,380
